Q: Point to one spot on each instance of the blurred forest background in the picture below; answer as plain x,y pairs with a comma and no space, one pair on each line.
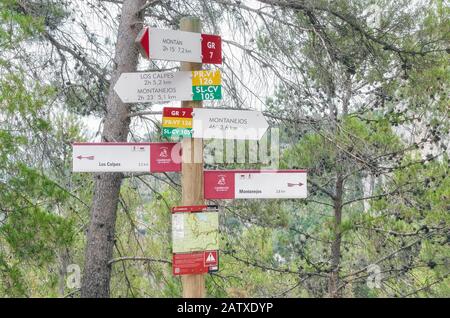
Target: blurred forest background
359,91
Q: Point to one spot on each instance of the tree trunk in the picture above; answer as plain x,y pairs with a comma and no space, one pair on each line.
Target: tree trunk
101,232
64,261
333,284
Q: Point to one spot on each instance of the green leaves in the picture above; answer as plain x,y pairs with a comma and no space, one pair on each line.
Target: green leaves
16,25
34,234
36,226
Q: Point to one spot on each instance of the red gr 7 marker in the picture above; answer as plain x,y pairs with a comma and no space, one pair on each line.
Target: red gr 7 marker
183,112
211,49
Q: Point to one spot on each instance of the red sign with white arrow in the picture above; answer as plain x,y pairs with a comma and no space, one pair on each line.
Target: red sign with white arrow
194,208
127,157
256,184
174,45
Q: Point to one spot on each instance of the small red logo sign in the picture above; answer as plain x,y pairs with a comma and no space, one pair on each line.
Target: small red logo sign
211,258
161,157
219,184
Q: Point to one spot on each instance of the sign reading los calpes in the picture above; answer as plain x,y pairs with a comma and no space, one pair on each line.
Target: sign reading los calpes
126,157
158,87
255,184
174,45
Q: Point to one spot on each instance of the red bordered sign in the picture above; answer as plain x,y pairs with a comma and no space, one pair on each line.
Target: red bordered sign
126,157
175,45
181,112
195,263
195,208
257,184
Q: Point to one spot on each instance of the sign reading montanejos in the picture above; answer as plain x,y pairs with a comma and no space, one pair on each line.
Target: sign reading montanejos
158,87
228,124
173,45
126,157
255,184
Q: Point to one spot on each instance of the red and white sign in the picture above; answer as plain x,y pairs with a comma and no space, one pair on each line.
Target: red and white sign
194,208
126,157
211,49
165,157
256,184
195,263
182,112
175,45
211,258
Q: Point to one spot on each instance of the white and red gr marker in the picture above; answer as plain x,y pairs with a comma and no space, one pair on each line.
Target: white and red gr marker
255,184
174,45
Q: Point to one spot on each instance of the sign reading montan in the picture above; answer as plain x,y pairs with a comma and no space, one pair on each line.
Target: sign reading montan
174,45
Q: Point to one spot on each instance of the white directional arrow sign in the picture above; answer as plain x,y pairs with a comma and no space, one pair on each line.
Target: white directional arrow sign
228,124
174,45
126,157
256,184
114,157
154,87
157,87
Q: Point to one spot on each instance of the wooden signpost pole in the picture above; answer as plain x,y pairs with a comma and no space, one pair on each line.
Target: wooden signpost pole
192,168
